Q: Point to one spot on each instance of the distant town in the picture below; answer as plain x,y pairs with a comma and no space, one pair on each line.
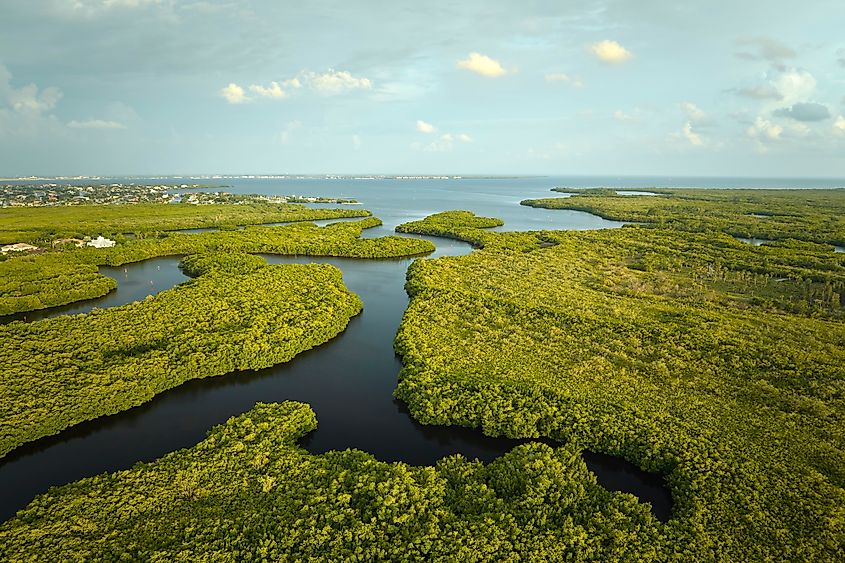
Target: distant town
40,195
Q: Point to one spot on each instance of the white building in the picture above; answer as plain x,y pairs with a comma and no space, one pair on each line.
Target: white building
101,242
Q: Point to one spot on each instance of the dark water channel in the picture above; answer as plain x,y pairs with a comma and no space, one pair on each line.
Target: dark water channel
348,381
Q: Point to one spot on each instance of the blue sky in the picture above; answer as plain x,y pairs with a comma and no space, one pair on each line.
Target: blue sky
712,88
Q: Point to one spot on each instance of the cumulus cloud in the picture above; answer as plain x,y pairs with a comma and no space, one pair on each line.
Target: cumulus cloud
804,111
763,129
795,85
28,99
234,94
783,87
272,91
610,52
334,82
482,64
693,112
691,136
565,78
696,118
760,92
328,83
96,124
839,125
26,110
424,127
764,48
464,138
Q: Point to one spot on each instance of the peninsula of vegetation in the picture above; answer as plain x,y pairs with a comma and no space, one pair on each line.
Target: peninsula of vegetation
807,215
715,362
62,276
238,315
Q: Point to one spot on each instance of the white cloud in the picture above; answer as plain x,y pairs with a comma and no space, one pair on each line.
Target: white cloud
765,48
329,82
273,91
760,92
611,52
25,111
292,83
287,133
424,127
783,88
839,125
96,124
795,85
234,94
464,138
28,99
623,117
482,64
334,82
691,136
693,112
565,78
764,130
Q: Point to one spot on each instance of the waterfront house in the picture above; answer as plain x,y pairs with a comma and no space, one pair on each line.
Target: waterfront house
101,242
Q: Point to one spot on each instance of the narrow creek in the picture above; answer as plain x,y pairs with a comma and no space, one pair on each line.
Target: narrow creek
348,381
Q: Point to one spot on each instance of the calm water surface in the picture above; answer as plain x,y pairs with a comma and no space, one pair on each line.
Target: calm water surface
348,381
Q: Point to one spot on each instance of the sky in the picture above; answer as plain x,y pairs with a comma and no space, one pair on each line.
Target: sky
606,87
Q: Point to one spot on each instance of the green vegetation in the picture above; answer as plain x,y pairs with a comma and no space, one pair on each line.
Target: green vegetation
41,225
196,265
248,493
681,352
58,278
461,225
681,349
809,215
28,283
62,371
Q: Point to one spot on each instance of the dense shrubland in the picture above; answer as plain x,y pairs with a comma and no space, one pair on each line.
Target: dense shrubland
248,493
45,224
461,225
58,372
691,354
717,363
195,265
28,283
58,278
809,215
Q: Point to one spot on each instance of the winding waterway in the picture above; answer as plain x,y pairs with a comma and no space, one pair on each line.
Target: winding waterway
348,381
